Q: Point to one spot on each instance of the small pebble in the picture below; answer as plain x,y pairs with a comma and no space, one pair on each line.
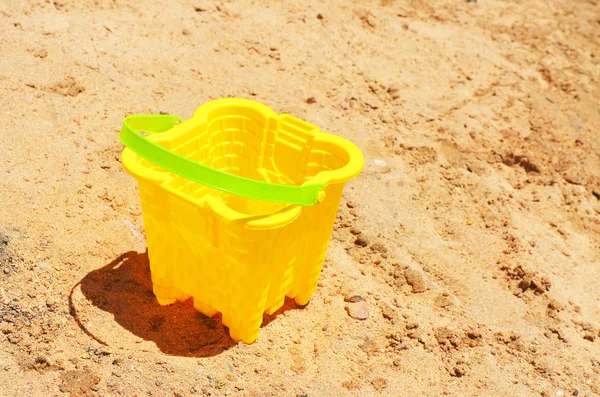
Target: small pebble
4,239
6,270
442,301
358,310
589,336
401,346
387,310
353,296
415,279
379,247
14,339
412,325
361,241
312,99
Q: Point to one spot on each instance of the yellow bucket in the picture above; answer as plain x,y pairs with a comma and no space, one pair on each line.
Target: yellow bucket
238,205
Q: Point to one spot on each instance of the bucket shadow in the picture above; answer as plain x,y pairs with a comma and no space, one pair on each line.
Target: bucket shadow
124,288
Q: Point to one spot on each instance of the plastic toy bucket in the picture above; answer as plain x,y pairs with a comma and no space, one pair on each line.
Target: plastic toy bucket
238,205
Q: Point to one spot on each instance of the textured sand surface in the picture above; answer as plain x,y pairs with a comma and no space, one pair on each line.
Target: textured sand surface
465,258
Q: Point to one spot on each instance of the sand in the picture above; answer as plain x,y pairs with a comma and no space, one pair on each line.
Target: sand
464,259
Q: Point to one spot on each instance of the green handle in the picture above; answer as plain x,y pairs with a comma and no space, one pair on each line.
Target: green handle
197,172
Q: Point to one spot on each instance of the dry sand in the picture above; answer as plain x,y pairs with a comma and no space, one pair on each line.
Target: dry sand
470,242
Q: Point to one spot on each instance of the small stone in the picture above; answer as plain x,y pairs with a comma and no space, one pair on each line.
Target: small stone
312,99
355,231
412,325
415,334
379,383
361,241
158,383
553,304
447,339
186,32
442,301
6,270
379,247
14,339
401,346
358,310
319,16
589,336
415,279
44,266
350,204
4,238
458,371
387,310
353,296
398,275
